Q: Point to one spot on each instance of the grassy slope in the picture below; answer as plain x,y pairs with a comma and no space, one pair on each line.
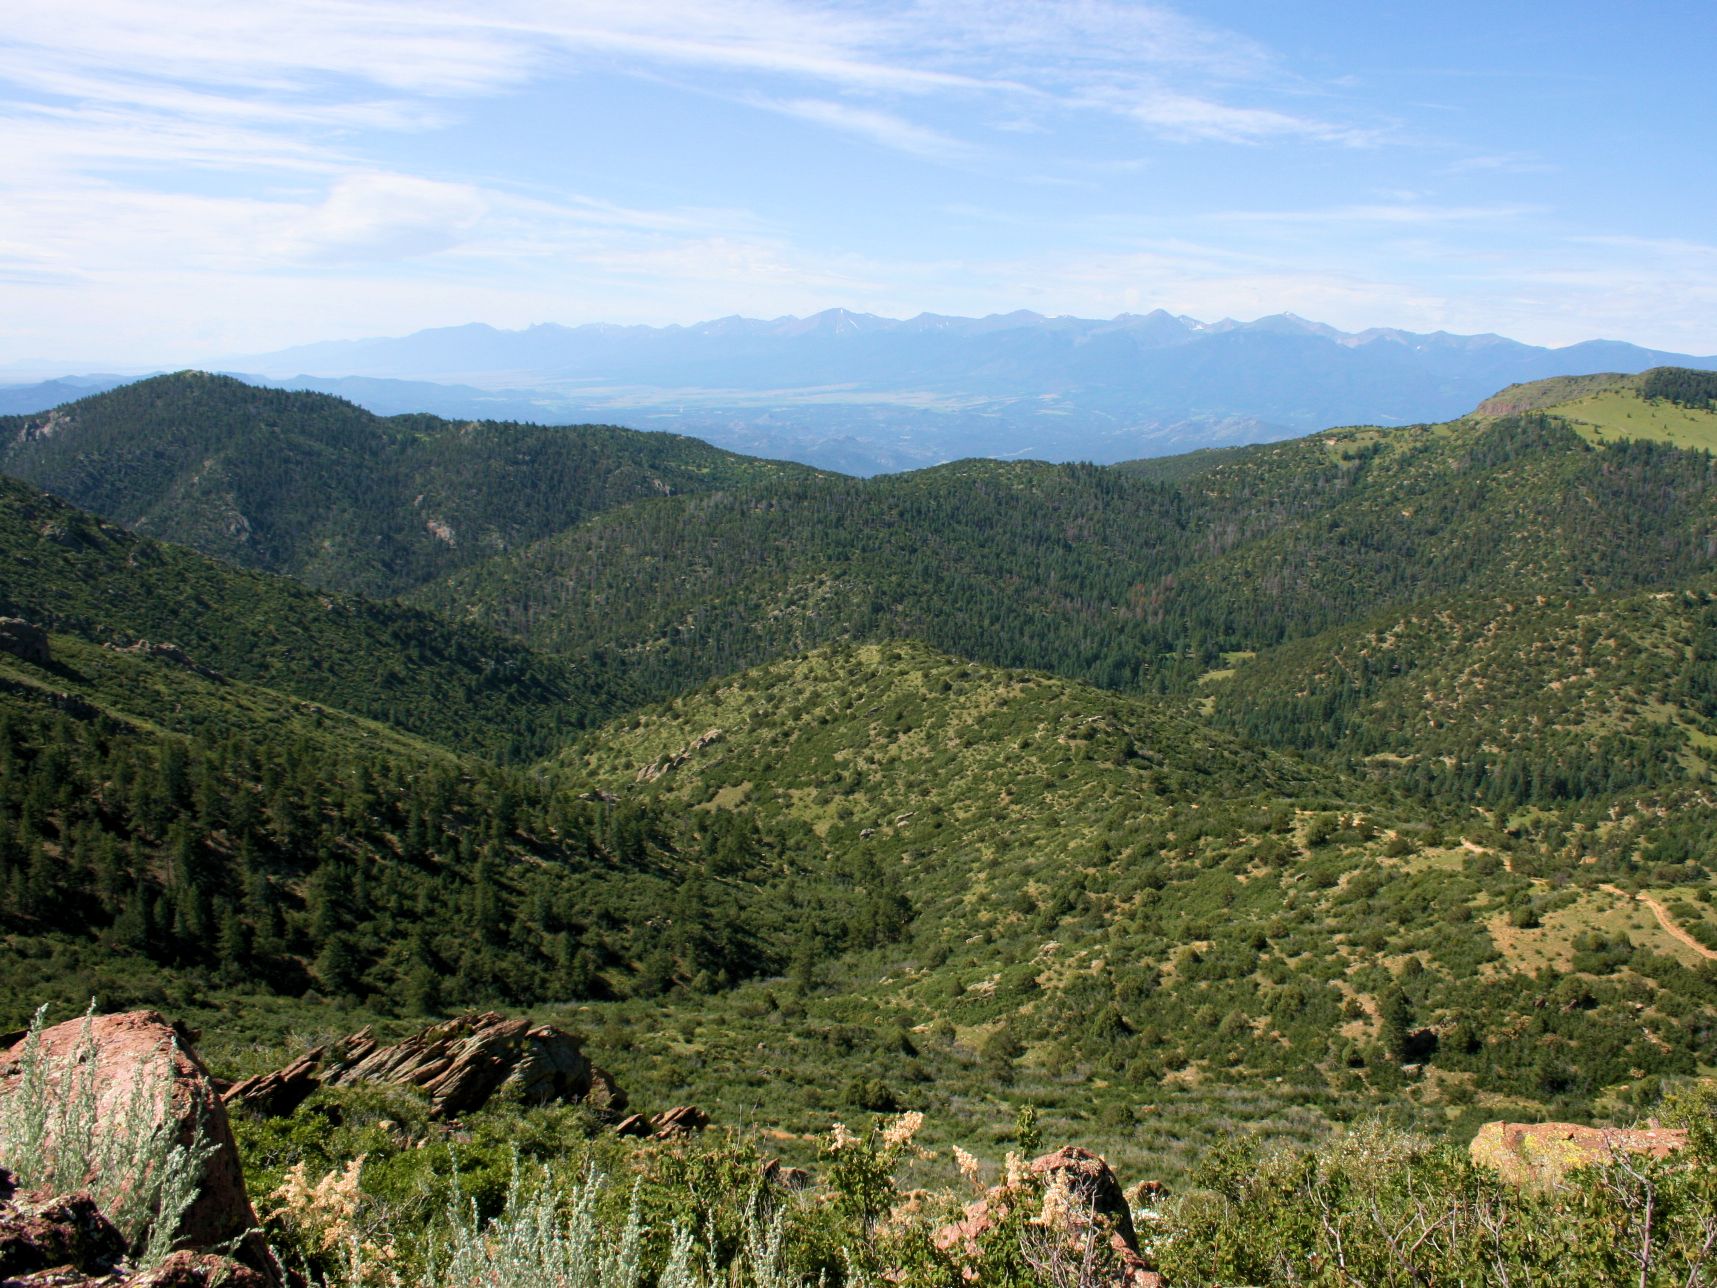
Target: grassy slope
1620,413
1607,408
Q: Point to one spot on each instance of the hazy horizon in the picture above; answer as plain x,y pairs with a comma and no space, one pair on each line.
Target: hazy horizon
188,181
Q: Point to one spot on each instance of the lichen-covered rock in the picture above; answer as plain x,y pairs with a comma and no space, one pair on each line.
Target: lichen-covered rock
1544,1153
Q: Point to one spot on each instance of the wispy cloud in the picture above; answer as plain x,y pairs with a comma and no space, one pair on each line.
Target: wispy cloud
1405,213
883,128
1190,117
171,158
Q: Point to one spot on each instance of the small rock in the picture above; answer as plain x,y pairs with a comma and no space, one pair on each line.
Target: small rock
681,1120
40,1234
632,1125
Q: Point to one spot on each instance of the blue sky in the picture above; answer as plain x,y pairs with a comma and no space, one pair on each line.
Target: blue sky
191,179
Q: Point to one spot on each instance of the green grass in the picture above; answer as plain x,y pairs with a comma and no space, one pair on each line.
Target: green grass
1621,414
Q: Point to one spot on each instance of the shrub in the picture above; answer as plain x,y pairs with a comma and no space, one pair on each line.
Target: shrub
139,1174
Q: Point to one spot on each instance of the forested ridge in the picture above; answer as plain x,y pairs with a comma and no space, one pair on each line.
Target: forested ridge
460,685
1127,582
317,487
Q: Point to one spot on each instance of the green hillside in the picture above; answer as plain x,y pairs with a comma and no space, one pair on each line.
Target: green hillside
1365,773
1673,405
1015,563
1564,701
315,486
461,686
1097,574
167,834
1097,906
1522,505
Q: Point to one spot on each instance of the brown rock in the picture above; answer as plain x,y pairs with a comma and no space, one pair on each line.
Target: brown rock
681,1120
775,1172
274,1095
41,1234
604,1096
1099,1197
632,1125
25,640
142,1040
1544,1153
465,1062
1093,1185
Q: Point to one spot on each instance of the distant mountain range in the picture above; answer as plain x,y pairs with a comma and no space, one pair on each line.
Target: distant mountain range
866,394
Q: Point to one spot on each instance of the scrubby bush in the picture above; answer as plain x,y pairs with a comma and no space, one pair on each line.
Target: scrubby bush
130,1158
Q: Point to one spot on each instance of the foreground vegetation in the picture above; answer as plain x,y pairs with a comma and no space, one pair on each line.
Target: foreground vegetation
1373,1206
361,1186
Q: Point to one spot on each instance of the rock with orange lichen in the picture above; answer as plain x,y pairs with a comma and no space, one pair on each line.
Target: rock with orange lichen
1544,1153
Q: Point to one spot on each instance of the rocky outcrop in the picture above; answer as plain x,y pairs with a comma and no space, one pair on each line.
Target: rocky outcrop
176,656
25,641
651,772
1544,1153
1077,1198
462,1064
48,1234
681,1120
277,1094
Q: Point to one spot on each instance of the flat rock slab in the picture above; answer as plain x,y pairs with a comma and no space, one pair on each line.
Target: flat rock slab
1544,1153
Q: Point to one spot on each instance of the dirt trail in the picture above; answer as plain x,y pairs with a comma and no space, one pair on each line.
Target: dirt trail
1670,928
